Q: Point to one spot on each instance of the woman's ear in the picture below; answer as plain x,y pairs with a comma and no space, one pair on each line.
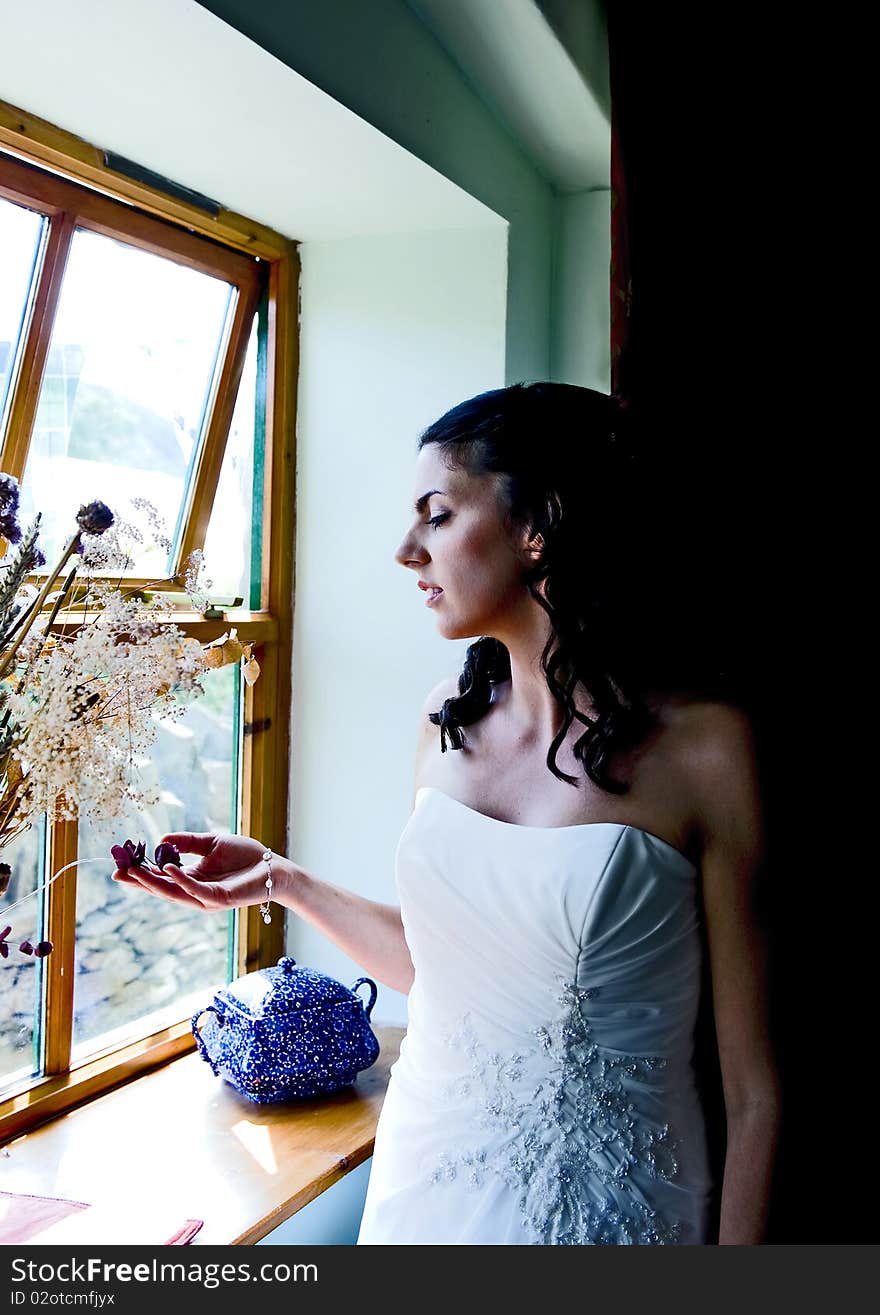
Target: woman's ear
553,513
535,546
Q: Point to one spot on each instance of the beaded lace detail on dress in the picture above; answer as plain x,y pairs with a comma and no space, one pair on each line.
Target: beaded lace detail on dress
573,1123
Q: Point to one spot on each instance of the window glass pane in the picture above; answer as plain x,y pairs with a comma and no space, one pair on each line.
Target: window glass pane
130,366
228,540
20,233
21,974
138,955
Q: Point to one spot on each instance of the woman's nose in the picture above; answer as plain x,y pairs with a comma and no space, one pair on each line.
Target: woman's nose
410,553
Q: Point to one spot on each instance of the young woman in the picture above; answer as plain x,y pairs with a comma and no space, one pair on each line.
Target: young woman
597,824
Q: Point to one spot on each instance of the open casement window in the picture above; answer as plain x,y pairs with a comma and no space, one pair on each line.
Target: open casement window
147,350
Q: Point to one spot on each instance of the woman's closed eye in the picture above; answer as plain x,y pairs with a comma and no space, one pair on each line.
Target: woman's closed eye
439,519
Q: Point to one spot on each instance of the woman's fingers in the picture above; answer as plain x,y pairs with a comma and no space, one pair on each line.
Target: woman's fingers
159,886
199,890
191,842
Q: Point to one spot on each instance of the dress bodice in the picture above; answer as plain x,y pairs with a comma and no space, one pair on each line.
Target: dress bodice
544,1091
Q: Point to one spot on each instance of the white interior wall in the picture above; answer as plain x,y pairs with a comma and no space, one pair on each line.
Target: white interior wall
404,304
395,330
170,86
581,317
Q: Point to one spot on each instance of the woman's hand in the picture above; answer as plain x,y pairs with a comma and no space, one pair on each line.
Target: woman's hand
229,874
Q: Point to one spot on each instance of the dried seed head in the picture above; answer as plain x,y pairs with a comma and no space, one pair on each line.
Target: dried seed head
94,518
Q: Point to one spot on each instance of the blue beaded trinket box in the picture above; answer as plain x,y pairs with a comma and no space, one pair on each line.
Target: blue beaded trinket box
287,1033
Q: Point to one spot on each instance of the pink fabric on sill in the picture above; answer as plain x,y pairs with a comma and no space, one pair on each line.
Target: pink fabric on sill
22,1216
185,1234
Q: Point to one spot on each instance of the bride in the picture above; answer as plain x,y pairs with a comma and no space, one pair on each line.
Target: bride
586,826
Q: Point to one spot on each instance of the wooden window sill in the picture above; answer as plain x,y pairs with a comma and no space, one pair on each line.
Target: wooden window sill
179,1143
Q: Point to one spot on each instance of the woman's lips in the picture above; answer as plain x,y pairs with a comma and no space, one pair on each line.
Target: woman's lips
434,595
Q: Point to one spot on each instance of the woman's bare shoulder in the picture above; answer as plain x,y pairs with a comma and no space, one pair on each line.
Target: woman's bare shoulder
447,688
719,754
428,731
712,727
696,731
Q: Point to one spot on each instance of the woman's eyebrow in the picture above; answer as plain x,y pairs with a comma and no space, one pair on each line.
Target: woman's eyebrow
421,503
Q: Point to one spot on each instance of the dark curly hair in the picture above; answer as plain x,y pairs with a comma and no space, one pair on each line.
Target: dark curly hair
575,470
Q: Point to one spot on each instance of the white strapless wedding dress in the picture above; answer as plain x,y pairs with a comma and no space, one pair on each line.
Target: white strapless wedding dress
544,1092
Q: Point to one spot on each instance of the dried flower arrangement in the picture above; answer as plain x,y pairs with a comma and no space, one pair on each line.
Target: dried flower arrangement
79,706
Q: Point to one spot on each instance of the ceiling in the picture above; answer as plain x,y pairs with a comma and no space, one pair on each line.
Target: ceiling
104,73
542,67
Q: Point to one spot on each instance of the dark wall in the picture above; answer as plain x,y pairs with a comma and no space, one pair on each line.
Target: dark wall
723,358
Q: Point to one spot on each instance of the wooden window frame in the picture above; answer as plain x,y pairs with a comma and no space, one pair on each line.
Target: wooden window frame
67,178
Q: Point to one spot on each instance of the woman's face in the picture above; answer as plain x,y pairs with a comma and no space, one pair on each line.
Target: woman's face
457,541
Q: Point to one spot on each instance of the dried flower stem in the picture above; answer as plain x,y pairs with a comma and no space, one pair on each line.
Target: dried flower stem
25,614
130,749
70,743
109,700
9,805
71,548
65,590
77,862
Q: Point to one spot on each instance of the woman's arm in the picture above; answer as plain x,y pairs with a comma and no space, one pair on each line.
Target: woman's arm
370,933
230,873
733,873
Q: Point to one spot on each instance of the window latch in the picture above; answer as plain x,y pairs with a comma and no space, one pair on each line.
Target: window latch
254,727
